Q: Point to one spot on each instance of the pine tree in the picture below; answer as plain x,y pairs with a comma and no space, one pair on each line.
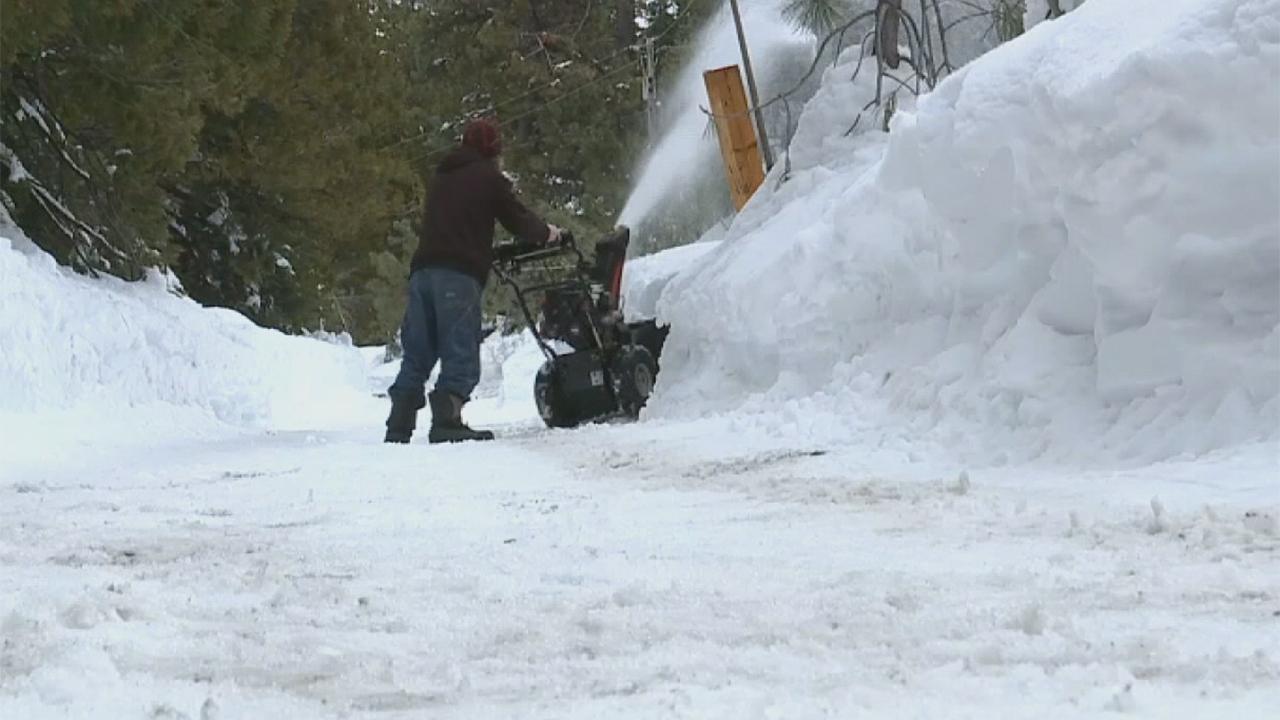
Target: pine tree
817,17
108,101
302,180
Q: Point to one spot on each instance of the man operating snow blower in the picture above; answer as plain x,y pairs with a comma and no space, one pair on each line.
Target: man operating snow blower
447,277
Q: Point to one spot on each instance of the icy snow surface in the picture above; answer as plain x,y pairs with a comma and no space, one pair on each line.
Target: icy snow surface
197,518
1069,251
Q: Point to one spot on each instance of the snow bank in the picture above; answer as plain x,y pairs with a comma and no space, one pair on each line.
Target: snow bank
113,353
1070,250
508,366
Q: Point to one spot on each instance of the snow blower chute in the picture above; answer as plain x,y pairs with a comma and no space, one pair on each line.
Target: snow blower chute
597,365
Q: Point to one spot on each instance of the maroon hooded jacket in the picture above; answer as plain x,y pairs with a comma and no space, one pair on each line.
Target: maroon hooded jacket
468,194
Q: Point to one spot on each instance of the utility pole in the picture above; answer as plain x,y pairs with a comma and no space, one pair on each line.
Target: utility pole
751,86
649,90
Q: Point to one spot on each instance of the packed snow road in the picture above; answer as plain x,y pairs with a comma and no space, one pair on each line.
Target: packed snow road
706,569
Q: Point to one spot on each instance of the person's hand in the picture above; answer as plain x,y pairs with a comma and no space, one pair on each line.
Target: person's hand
553,234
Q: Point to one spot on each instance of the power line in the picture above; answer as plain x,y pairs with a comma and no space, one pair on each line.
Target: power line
676,21
444,147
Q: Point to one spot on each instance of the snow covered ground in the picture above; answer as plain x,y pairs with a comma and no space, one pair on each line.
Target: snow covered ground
163,562
1026,518
708,569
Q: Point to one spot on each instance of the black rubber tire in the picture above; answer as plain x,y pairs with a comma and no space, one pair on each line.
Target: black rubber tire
634,374
552,406
651,336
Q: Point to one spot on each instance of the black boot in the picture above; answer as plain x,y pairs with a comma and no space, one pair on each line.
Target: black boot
403,418
446,420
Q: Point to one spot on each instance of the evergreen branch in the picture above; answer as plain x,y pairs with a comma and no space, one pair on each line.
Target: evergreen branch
51,203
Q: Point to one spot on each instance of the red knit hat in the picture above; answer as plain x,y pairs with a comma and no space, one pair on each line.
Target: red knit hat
482,135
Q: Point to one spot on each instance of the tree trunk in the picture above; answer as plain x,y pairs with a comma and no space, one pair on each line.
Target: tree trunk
888,20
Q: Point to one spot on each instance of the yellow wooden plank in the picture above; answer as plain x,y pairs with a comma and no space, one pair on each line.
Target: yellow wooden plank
744,167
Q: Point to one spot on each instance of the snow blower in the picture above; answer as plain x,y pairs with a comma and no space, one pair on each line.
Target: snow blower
598,367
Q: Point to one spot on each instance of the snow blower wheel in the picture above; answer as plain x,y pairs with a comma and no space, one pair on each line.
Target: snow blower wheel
551,403
634,373
600,366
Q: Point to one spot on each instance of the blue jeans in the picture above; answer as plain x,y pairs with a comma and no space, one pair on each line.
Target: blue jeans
441,323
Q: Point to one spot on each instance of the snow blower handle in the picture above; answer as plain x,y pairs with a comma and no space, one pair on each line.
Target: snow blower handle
515,252
517,249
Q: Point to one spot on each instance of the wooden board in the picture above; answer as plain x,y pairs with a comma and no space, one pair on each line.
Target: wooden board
739,146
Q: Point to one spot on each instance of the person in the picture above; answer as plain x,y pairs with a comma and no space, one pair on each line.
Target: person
447,277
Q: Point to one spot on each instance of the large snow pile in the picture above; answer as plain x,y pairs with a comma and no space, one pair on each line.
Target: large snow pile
113,353
1070,250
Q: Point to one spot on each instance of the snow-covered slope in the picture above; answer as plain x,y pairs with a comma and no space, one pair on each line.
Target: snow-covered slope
1070,250
121,362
